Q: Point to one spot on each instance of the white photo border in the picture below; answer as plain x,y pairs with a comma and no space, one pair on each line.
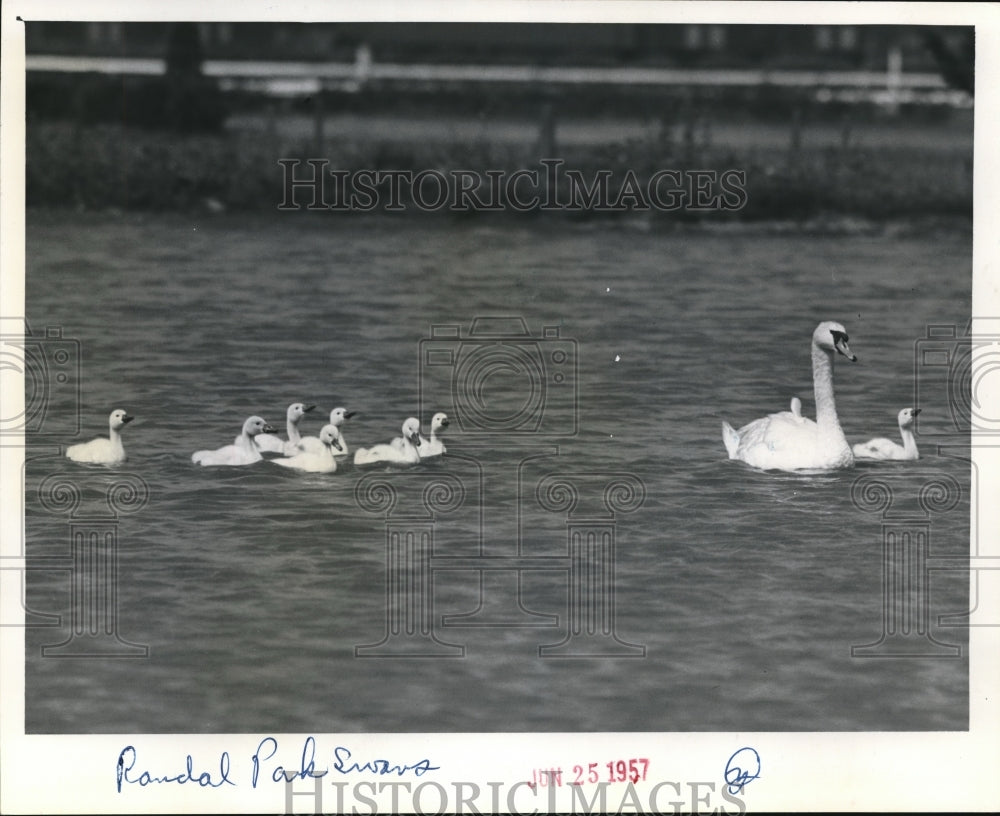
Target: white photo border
952,771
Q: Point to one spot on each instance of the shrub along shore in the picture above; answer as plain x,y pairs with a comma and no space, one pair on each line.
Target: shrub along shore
670,176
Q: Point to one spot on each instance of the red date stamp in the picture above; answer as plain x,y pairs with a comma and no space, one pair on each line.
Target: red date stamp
619,770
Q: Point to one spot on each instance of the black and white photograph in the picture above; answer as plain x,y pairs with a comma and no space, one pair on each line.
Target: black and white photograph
504,407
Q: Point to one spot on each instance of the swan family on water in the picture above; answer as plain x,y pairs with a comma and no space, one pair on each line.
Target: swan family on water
785,440
789,441
318,454
313,454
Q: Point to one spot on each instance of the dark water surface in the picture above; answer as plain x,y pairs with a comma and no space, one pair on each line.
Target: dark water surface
252,586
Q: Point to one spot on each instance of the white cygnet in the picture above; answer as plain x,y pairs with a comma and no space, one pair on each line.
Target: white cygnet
103,451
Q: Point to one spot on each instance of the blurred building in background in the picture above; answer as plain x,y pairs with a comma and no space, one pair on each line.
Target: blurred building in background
846,47
592,68
816,112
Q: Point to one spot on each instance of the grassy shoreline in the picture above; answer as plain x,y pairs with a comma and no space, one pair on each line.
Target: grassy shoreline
109,167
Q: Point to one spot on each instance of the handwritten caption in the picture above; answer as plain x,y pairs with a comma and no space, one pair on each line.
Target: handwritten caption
265,763
269,762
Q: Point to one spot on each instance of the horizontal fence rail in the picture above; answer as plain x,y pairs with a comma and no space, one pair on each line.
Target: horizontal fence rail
293,78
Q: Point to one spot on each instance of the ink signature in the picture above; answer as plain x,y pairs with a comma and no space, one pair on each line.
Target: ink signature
743,767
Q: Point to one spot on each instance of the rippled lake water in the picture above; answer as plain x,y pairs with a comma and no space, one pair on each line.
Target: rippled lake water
737,595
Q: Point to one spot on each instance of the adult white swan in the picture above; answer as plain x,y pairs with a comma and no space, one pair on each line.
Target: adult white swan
789,441
313,444
290,446
311,462
882,448
243,451
103,451
406,454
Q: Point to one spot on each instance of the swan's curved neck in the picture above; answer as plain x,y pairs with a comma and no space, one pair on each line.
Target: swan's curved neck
113,434
909,442
293,432
826,408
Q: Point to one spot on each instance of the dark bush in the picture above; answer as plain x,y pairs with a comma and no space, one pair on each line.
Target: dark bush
104,165
182,103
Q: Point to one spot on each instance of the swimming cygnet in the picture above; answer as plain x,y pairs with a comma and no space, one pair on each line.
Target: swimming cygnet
103,451
312,444
290,446
316,462
243,451
405,454
882,448
434,446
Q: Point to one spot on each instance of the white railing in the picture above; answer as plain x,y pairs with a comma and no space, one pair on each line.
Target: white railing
294,78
